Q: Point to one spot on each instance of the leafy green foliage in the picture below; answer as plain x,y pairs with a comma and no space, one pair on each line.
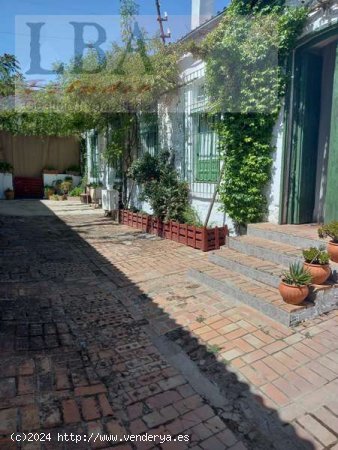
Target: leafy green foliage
9,74
5,167
145,169
315,255
247,165
329,230
76,192
250,6
89,91
167,194
191,217
74,169
246,77
297,276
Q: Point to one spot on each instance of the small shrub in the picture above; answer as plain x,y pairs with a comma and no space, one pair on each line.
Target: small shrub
76,192
75,169
330,230
145,169
191,217
66,186
315,255
5,167
167,194
297,276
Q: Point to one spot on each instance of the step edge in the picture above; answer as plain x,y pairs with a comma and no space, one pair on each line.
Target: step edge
264,309
250,272
258,232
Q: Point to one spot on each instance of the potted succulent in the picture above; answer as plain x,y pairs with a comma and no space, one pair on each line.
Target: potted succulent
330,230
50,170
317,263
9,194
49,191
294,287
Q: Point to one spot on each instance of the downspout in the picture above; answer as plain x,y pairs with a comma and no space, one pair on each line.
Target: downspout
285,181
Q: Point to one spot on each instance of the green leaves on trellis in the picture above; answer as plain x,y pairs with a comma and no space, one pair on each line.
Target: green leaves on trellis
246,76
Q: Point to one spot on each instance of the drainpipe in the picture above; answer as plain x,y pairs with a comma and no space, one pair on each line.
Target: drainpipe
285,190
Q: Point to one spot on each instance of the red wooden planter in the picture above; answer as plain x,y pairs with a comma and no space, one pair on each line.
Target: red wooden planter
135,220
202,238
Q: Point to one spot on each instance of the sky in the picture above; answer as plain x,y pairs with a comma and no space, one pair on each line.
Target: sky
57,35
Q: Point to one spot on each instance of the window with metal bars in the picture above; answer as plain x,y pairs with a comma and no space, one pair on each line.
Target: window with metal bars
94,153
149,134
207,161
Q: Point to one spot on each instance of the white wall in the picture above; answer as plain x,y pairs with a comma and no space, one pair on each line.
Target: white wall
273,190
49,179
6,182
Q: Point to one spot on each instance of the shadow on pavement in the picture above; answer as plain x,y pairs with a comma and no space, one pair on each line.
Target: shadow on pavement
79,356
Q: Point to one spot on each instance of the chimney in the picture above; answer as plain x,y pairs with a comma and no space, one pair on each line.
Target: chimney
201,11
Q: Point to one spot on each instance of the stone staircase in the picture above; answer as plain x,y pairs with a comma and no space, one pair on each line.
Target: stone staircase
248,270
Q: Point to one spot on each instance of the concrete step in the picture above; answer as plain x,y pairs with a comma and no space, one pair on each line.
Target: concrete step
301,236
264,298
275,252
255,268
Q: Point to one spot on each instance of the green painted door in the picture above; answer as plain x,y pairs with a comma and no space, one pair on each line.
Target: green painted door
306,109
331,198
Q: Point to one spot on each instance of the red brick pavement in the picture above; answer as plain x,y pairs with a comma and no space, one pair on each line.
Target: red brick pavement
77,358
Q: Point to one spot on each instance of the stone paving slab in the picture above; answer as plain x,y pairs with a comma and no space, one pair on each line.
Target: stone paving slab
76,354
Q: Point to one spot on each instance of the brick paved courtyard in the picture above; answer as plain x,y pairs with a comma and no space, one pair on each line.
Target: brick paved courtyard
102,332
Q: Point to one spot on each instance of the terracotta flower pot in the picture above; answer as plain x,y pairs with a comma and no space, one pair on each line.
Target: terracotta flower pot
319,272
332,249
295,295
9,195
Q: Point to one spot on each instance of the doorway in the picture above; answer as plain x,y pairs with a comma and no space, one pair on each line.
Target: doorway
313,145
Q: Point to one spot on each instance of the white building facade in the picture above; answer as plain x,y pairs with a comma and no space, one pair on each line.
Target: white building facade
305,168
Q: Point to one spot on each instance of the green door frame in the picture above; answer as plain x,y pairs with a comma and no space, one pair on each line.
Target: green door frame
291,118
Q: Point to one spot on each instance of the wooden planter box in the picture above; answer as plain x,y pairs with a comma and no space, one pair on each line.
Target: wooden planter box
202,238
135,220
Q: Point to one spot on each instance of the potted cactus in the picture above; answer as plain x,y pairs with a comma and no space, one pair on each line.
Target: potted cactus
330,230
317,263
294,287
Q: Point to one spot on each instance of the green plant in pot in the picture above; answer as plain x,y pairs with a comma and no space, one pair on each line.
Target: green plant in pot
9,194
294,287
67,185
317,263
49,191
330,230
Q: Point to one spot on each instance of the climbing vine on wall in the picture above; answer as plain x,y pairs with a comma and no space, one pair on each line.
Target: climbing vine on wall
246,76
